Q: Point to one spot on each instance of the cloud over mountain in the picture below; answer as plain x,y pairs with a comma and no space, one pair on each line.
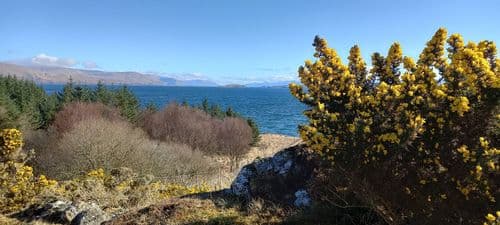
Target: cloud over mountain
89,65
46,60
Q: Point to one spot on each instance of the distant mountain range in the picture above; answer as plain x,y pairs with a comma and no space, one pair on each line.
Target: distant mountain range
61,75
271,84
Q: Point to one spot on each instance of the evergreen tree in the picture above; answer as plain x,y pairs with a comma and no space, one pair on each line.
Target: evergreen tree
68,93
47,108
151,107
127,102
22,99
231,113
9,113
102,93
84,94
255,131
215,111
204,105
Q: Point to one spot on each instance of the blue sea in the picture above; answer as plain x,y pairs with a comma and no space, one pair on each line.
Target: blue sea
274,109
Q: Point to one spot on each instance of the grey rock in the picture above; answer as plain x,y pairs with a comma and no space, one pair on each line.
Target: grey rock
92,215
240,185
302,199
65,212
281,178
57,211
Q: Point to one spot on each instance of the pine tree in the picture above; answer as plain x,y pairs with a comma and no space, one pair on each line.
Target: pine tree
151,107
127,102
68,93
102,93
204,105
230,112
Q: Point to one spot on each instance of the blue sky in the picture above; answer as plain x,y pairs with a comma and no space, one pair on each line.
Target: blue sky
226,41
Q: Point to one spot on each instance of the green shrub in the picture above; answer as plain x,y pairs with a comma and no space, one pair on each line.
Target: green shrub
418,141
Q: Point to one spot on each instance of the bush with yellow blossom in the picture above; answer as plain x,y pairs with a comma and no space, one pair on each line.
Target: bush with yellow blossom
18,185
418,140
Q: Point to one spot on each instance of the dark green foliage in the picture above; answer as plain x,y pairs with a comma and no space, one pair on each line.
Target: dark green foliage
102,94
67,95
24,99
121,98
255,131
204,105
126,101
21,99
151,107
9,113
47,108
230,112
215,111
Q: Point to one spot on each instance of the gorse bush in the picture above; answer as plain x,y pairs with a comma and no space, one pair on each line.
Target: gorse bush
419,141
18,185
114,190
122,188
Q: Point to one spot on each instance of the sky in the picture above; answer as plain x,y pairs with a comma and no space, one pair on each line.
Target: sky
227,41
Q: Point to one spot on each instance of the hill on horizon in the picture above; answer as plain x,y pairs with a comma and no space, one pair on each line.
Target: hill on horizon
61,75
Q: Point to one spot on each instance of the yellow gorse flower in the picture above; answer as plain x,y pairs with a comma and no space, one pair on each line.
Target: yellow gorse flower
417,114
18,185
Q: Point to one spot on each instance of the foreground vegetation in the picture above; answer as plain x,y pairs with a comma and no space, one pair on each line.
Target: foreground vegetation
427,131
102,147
402,143
82,128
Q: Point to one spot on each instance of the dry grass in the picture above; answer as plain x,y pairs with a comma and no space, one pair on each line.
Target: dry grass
268,145
191,211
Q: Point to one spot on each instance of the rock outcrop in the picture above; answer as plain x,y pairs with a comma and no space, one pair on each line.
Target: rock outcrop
281,178
66,212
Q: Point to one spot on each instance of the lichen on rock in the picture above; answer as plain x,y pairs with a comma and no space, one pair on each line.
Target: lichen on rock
278,178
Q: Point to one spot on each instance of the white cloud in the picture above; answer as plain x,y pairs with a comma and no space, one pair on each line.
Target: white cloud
287,77
189,76
89,65
283,77
181,76
46,60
